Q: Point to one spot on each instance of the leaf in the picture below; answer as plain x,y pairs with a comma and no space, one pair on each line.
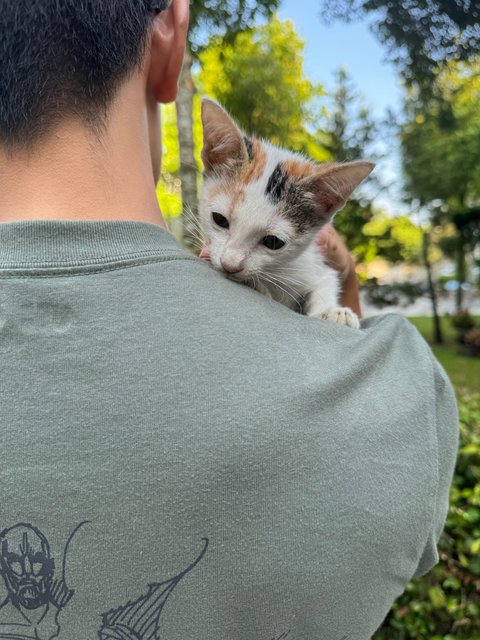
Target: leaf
475,547
437,597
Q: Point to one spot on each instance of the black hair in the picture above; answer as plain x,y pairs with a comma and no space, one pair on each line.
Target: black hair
62,58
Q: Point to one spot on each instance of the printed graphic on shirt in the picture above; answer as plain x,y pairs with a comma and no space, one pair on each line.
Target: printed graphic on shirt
140,618
36,592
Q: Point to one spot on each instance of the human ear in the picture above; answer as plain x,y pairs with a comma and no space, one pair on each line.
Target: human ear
167,50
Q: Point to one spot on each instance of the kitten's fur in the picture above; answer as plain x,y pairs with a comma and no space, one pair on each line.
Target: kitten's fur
260,191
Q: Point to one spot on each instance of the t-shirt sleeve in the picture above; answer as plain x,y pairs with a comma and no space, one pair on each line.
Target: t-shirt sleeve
447,433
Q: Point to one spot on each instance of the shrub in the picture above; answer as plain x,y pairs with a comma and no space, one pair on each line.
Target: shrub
445,604
472,338
463,321
397,294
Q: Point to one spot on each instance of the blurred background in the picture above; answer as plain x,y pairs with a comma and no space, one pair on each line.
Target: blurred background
396,81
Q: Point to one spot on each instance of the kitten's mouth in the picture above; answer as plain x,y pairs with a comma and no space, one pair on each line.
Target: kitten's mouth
241,276
237,277
205,254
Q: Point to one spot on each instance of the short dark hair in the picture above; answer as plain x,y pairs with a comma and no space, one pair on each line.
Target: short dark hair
63,58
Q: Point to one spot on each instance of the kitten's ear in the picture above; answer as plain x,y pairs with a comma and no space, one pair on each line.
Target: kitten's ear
223,142
334,185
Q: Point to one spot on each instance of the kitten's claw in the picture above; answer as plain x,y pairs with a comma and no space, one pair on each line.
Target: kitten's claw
341,315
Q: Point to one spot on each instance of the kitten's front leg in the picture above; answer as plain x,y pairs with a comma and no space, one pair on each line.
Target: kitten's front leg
321,305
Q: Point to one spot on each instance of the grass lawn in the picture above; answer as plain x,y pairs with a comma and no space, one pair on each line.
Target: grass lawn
464,372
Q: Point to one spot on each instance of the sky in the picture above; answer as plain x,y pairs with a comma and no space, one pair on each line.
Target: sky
353,46
356,48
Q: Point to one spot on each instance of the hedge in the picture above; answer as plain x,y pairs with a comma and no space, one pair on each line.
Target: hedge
445,604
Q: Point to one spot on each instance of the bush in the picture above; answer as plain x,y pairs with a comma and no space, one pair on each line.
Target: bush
445,604
472,338
401,294
463,321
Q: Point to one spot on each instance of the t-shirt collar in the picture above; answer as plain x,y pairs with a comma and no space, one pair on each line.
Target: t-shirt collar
48,243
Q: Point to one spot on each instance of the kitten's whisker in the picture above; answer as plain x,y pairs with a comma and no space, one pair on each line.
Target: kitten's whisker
192,229
188,211
192,222
286,293
278,286
285,280
294,281
197,239
286,288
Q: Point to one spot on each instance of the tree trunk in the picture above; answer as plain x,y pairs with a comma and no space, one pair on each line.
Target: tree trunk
438,336
188,167
461,273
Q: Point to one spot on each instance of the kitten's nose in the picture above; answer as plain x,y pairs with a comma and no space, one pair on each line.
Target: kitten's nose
229,267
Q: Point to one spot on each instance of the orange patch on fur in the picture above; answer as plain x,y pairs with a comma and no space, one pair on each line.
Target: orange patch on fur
299,170
253,171
247,173
237,197
232,189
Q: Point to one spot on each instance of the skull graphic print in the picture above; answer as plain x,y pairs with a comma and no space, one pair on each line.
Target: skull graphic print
35,597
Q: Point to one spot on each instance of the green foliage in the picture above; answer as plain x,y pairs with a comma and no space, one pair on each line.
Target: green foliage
463,320
224,18
472,341
348,129
260,80
440,141
419,35
350,223
401,294
441,157
375,235
169,189
463,371
397,239
445,604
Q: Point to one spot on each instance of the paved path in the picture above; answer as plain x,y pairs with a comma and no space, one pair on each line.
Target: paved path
423,307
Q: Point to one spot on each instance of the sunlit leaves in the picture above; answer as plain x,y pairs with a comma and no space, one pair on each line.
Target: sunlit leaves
169,186
224,18
260,79
397,239
441,140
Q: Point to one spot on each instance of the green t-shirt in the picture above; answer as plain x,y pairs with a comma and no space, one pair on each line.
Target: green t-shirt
184,459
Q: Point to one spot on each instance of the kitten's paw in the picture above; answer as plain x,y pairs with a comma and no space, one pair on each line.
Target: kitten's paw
341,315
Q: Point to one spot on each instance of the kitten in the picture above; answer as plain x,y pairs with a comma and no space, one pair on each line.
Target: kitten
261,208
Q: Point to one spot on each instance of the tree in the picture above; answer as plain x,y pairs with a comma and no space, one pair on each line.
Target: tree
396,239
347,131
437,327
169,188
441,157
260,79
222,18
421,35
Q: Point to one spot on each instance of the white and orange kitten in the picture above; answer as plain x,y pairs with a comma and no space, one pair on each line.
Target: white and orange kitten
261,209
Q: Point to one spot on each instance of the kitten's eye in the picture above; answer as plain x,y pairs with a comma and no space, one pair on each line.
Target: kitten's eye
273,243
220,220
